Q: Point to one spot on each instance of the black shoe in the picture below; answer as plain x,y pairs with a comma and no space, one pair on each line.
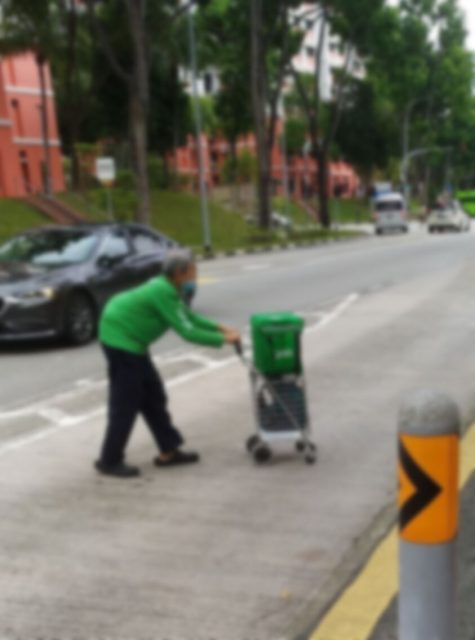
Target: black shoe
180,457
120,470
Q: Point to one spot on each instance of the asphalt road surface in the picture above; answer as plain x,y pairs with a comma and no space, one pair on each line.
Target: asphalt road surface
233,289
227,549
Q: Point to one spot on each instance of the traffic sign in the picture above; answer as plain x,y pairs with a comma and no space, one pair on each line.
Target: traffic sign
428,486
106,170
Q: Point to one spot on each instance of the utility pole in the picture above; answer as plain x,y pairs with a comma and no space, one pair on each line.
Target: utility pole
198,131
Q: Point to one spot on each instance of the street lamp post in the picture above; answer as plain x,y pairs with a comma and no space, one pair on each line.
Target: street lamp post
416,153
406,145
198,131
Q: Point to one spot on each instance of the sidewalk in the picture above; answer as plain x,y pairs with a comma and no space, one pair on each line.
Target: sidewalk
226,550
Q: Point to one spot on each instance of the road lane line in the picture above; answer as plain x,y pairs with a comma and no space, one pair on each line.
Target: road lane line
62,420
355,614
56,416
257,267
335,314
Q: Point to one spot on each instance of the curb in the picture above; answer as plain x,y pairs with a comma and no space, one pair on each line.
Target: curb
304,244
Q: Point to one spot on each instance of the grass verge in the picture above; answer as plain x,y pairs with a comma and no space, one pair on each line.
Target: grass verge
17,216
174,214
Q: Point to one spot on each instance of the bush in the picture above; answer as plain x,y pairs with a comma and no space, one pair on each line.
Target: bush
158,174
125,180
125,204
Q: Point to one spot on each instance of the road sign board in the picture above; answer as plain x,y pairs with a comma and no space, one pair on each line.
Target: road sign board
105,170
428,486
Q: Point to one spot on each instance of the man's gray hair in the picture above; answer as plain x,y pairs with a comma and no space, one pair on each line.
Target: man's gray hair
178,261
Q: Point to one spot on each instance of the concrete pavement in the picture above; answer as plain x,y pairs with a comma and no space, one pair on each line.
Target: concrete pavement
227,550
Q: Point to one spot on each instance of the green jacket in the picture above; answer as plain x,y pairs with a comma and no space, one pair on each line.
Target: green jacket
132,320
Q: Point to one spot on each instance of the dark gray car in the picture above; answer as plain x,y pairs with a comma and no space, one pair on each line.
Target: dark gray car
54,281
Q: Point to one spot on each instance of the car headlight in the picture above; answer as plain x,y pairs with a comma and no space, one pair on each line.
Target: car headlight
33,297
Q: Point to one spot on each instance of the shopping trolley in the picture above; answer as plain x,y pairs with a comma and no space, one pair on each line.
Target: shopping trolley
278,386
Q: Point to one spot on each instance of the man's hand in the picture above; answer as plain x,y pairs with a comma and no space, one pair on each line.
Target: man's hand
231,336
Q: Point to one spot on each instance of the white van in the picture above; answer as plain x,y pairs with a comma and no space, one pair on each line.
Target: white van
390,214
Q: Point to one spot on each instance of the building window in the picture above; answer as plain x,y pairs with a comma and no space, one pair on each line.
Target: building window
17,116
310,51
309,24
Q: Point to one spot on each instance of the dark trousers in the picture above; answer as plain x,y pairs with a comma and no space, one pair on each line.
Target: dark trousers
135,388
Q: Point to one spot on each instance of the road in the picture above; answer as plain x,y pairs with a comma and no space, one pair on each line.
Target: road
225,549
233,289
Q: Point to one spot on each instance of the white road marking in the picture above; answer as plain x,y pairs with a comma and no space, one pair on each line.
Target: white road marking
56,416
85,383
62,420
336,313
256,267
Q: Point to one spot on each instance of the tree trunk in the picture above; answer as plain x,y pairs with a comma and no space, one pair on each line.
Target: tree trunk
258,82
138,139
139,101
321,156
41,62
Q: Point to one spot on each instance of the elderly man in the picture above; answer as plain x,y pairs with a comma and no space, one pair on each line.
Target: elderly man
131,322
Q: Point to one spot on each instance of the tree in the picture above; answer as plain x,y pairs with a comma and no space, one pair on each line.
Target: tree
273,44
295,133
409,71
224,34
72,70
135,77
355,25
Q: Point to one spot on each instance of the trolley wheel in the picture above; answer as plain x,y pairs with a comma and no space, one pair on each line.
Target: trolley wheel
262,454
310,458
252,442
312,447
300,446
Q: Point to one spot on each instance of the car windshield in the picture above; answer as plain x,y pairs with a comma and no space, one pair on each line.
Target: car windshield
50,248
390,205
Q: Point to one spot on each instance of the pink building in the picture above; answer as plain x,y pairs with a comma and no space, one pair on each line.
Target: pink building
302,169
22,155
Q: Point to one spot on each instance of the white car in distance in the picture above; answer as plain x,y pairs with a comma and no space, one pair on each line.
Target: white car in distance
448,217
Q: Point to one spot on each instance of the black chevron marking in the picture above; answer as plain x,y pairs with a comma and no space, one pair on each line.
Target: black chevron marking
426,489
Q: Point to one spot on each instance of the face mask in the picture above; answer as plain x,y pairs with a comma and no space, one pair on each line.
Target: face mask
188,289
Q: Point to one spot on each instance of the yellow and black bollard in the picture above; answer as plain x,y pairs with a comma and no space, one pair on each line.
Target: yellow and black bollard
429,439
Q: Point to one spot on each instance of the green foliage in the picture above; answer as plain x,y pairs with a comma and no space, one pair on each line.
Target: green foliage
239,170
125,179
295,135
159,174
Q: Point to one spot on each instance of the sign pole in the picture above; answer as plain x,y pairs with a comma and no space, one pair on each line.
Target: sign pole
110,203
106,175
429,437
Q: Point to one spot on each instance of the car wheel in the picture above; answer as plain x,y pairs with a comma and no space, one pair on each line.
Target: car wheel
80,320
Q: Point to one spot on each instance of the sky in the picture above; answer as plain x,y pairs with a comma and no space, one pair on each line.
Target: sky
469,7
